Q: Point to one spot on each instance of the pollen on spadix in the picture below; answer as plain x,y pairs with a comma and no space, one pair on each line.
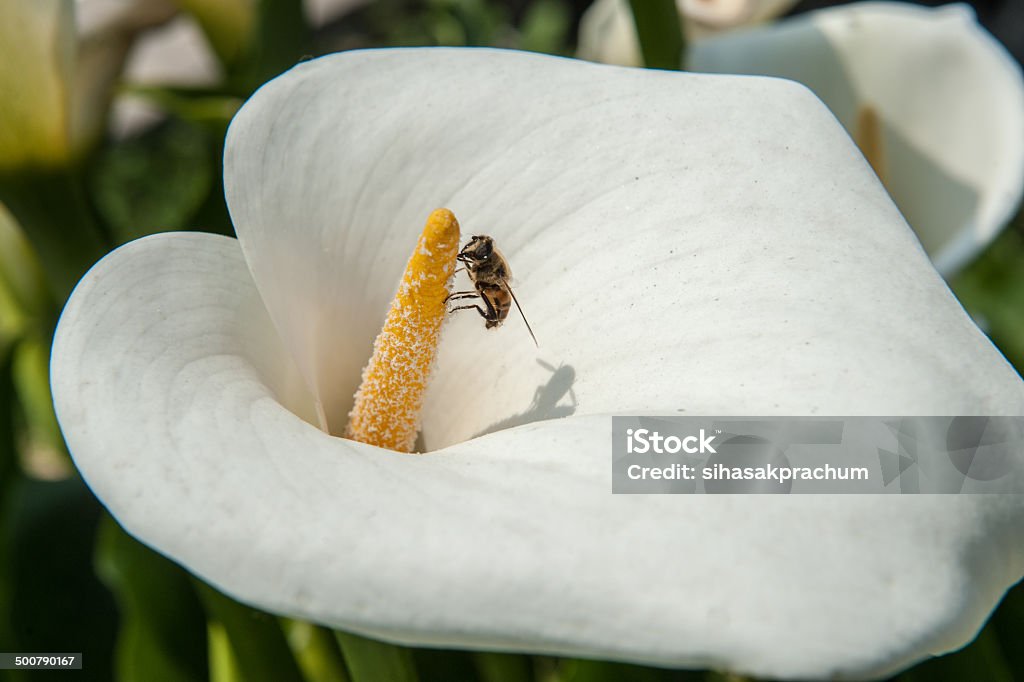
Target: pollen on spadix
389,400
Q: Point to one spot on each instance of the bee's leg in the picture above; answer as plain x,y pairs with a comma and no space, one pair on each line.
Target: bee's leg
477,308
492,313
460,295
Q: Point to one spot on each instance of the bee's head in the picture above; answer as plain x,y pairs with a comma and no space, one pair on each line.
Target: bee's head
477,250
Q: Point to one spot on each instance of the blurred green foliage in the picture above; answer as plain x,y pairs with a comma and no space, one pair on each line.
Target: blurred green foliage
162,634
539,25
154,182
72,580
992,290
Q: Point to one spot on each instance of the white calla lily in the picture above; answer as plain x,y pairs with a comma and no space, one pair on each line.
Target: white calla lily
675,252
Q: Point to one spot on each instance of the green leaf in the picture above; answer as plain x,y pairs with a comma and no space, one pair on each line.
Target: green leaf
162,636
280,41
257,640
659,29
369,660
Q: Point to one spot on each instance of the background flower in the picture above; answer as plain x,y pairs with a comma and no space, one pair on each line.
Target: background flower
936,104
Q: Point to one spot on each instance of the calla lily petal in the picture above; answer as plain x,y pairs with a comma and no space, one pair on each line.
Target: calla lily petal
608,33
949,96
766,273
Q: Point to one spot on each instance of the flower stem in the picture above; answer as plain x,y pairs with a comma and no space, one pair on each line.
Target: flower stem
869,136
255,638
369,660
659,28
388,403
316,651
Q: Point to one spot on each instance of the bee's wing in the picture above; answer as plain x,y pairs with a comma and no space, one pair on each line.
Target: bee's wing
505,270
511,293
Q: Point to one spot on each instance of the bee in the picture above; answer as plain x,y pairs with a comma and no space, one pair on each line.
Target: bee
490,273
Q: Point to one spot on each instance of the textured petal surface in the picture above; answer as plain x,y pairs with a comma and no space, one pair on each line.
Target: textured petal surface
675,252
615,195
950,97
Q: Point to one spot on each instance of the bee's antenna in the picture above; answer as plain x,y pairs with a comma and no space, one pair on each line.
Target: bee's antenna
528,328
